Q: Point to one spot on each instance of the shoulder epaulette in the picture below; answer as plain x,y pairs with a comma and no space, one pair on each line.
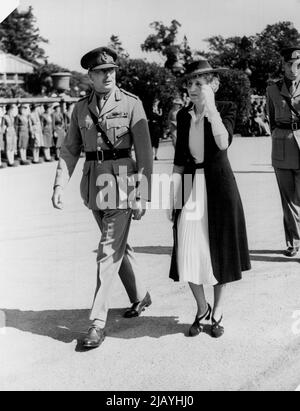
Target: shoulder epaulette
129,94
278,83
84,98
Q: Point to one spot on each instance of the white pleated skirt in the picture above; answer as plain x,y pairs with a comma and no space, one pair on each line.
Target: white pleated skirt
194,258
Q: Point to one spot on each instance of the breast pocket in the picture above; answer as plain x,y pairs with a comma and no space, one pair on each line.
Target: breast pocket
117,127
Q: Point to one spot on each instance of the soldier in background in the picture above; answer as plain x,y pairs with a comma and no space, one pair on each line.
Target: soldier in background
283,100
59,128
22,128
35,133
47,129
68,115
10,135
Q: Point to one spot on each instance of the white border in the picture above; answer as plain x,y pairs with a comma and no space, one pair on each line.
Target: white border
7,7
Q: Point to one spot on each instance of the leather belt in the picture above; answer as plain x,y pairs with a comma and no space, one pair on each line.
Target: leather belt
289,126
106,155
200,166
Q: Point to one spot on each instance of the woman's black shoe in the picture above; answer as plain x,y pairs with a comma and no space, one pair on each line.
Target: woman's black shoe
197,327
217,330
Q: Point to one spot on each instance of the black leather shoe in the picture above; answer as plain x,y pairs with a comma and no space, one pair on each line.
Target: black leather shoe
291,252
137,308
217,330
94,338
197,327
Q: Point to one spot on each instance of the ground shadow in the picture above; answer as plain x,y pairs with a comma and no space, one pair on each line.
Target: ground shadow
155,250
254,172
268,256
70,325
158,250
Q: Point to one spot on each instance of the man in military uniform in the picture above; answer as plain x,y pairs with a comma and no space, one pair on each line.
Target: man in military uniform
283,100
106,125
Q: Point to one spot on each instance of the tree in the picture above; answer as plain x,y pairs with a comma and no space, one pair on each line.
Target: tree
8,91
259,55
164,41
236,87
267,58
20,36
40,82
149,81
116,44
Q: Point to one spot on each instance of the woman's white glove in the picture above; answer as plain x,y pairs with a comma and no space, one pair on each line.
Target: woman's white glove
218,128
210,102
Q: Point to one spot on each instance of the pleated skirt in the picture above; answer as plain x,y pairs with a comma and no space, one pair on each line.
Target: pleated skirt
194,256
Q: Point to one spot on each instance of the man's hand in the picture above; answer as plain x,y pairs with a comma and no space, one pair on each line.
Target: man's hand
138,210
57,198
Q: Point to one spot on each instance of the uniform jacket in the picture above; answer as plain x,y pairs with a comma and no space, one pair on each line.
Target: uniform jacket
227,227
286,143
36,128
22,126
125,123
9,127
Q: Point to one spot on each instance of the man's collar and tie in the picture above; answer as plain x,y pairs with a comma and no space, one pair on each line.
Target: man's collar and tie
292,88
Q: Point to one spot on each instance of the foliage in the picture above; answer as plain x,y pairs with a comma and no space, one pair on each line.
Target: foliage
7,91
116,44
148,81
164,41
259,54
235,87
40,82
20,36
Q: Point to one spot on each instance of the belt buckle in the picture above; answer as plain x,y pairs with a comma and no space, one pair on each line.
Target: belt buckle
115,155
295,126
100,161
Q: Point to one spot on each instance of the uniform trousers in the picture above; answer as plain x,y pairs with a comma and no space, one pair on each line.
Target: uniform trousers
289,186
115,257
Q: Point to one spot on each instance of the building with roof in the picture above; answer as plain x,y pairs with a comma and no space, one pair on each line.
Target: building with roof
13,69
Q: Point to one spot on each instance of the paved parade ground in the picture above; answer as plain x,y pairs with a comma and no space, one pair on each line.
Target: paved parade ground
48,274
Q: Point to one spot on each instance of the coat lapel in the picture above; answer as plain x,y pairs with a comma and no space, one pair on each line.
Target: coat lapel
297,92
284,91
110,104
93,105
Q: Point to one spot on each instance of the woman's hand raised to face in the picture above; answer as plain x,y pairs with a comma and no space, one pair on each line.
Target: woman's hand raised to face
209,98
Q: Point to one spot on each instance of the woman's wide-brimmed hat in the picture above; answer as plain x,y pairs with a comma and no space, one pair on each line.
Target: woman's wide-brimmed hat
199,67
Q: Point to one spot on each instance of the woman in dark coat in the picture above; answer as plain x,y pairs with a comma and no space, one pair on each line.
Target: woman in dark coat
211,246
156,127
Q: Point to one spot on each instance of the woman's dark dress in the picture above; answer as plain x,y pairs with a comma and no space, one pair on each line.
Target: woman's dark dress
227,227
